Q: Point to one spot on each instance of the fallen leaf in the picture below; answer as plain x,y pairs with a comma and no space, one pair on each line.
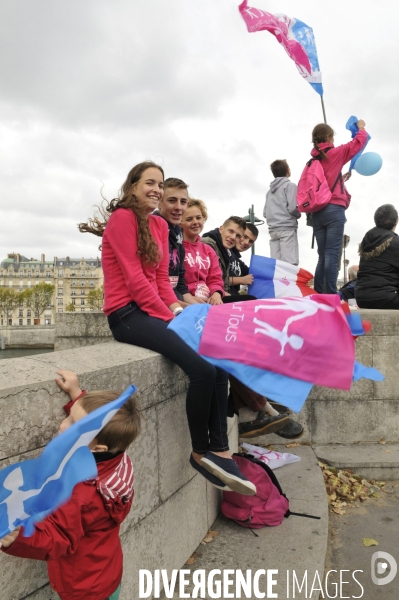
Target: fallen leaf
293,445
210,536
382,441
387,451
339,511
191,560
369,542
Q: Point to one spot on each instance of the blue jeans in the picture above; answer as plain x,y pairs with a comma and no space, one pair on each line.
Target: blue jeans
328,227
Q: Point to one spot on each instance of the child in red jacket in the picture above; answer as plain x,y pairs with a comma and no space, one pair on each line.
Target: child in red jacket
80,540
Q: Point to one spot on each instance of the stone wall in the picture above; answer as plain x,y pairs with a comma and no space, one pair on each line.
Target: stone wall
26,336
367,413
73,330
173,508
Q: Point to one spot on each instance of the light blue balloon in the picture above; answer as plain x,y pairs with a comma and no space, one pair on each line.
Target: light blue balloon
368,163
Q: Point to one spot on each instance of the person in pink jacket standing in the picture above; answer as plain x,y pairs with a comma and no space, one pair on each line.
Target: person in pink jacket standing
329,222
203,275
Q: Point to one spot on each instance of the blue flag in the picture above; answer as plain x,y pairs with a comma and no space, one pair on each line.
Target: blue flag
353,128
33,489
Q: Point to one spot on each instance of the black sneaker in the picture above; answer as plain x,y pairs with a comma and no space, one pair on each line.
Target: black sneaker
227,470
263,423
291,431
215,481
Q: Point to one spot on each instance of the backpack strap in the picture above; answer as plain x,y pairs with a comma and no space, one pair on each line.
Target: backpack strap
339,178
265,468
275,482
289,512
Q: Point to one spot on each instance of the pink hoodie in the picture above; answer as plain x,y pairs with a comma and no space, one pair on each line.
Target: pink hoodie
201,265
336,159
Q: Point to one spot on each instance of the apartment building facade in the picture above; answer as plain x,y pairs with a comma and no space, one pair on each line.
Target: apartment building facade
73,278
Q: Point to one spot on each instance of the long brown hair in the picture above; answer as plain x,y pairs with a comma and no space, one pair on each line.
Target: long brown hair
147,248
320,134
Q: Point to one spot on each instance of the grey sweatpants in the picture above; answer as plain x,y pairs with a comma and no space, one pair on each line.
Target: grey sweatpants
284,245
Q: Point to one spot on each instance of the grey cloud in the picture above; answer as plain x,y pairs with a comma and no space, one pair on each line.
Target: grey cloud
94,64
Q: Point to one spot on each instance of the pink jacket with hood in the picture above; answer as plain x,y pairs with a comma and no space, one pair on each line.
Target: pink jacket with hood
337,157
202,266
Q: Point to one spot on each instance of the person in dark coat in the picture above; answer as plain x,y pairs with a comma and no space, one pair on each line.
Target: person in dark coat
378,277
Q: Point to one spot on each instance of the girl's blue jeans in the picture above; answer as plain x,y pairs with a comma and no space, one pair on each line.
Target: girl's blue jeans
328,227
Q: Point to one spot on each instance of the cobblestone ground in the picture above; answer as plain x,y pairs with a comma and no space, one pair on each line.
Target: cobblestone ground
375,518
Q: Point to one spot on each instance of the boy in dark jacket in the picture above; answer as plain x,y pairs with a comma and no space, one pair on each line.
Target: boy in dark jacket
172,208
239,271
222,240
378,276
80,540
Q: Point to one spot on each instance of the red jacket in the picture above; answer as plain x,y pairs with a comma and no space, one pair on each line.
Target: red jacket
337,157
126,276
80,540
201,264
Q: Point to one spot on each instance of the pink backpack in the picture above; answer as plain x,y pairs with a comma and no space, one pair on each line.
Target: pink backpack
269,506
313,192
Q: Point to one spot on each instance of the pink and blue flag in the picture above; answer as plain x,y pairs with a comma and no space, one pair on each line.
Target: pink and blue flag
278,347
278,279
296,37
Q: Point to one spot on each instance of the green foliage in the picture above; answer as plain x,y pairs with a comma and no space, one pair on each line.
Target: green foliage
9,301
70,307
39,297
95,298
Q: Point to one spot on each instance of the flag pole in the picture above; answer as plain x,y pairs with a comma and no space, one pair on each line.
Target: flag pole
325,121
324,110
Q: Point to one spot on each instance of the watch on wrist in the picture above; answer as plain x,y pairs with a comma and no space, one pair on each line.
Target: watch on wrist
177,311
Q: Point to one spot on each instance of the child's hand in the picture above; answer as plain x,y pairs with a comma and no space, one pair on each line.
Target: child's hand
10,538
215,299
361,124
69,383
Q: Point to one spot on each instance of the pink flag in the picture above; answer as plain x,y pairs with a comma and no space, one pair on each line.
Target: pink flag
295,36
303,338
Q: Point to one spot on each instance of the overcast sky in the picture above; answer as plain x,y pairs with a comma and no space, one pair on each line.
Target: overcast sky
91,87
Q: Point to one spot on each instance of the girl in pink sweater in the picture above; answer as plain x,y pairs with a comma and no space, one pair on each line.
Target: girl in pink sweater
202,271
329,222
139,302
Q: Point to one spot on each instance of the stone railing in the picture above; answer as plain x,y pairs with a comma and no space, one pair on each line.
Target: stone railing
28,336
173,507
367,413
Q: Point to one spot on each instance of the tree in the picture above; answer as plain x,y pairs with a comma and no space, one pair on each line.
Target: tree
70,307
9,301
95,298
39,298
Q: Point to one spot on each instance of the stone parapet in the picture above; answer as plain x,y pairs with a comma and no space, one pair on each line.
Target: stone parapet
28,336
73,330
